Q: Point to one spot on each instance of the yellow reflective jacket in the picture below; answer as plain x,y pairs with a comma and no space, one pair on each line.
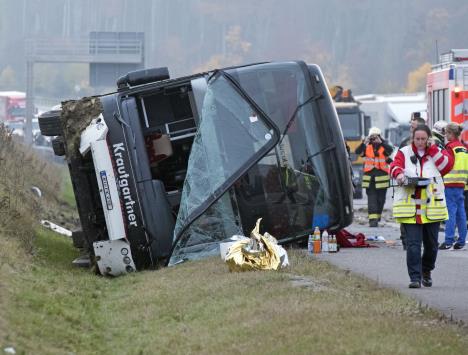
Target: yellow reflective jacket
458,176
420,204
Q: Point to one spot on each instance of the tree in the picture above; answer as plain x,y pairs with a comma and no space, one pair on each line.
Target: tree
236,49
8,79
417,78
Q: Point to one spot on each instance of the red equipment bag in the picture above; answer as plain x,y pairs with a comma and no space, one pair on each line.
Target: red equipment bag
347,240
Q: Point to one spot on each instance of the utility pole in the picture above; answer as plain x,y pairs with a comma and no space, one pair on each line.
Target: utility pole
29,101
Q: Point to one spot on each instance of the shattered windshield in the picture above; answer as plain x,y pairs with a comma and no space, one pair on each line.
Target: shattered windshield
230,135
288,185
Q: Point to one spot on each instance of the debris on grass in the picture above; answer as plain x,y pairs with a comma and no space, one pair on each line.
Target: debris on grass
259,252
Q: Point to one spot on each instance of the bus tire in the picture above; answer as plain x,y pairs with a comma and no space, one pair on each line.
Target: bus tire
58,146
49,124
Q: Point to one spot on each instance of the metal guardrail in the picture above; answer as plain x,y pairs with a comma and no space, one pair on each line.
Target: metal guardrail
82,47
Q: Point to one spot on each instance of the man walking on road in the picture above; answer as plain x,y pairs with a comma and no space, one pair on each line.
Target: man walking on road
375,180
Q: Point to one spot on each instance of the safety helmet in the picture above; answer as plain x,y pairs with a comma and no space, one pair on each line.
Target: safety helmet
374,131
439,127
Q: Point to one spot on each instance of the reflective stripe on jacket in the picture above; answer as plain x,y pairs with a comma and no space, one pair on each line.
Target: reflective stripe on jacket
380,182
458,176
372,161
420,204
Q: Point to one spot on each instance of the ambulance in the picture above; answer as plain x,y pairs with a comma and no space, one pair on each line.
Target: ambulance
447,89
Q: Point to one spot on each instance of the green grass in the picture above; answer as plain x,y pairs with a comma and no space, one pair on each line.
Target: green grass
68,195
200,307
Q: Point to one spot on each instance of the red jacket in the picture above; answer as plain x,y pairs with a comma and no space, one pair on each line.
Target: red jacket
443,163
449,146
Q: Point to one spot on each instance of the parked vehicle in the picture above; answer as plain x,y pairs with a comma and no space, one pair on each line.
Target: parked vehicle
12,106
355,126
165,169
447,89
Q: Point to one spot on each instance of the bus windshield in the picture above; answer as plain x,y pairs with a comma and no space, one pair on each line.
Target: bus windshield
267,151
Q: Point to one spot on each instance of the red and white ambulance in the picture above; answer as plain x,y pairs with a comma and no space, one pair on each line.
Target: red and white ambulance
447,89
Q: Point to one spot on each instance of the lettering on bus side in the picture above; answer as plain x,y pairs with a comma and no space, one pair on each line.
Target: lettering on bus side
118,150
105,187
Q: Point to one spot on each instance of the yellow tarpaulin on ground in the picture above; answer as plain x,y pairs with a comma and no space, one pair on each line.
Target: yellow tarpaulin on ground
260,252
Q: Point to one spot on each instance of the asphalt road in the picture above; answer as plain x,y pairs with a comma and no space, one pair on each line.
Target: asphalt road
387,265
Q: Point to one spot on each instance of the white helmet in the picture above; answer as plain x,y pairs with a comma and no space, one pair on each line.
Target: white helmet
374,131
439,127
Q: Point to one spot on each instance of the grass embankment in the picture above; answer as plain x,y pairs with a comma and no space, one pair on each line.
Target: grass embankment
21,209
47,306
199,307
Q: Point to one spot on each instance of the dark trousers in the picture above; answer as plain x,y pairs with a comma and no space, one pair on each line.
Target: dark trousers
417,234
403,235
375,202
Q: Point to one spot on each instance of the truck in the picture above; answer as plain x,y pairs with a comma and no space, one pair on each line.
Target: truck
12,106
164,170
447,89
354,125
392,112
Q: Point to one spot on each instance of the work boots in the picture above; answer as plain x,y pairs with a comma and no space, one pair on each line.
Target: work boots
414,284
373,223
426,279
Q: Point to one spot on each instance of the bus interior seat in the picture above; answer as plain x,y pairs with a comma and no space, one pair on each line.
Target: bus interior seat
159,147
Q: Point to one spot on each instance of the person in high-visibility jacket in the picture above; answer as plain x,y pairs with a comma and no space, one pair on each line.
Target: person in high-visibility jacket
455,183
466,191
420,209
375,179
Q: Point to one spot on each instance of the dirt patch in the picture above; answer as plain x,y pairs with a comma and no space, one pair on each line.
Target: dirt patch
76,116
306,282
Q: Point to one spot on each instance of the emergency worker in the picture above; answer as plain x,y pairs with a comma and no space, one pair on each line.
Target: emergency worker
466,191
438,133
415,121
455,182
420,207
375,180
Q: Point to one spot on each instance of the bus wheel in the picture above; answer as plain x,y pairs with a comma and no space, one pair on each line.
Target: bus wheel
49,123
58,146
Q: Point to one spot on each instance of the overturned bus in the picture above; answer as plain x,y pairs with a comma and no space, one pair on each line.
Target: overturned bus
164,170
